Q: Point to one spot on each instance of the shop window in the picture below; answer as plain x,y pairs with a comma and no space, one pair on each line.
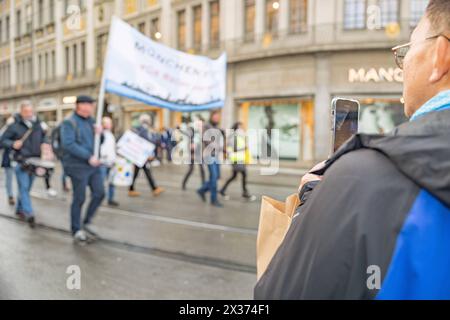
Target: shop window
379,116
283,116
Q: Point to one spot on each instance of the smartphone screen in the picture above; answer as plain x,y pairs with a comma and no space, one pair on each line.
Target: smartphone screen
345,121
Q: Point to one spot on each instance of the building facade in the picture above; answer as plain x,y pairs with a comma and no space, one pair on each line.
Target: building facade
287,59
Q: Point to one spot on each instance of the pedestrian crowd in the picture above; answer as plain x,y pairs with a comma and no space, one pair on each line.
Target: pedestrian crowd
31,150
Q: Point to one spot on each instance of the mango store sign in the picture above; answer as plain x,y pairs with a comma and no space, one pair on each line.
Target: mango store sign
375,75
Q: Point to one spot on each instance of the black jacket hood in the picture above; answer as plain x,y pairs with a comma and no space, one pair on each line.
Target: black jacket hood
419,149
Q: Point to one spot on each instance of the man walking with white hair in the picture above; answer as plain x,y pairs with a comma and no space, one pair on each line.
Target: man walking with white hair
26,138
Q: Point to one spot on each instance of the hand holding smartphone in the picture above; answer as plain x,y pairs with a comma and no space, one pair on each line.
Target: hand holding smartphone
345,119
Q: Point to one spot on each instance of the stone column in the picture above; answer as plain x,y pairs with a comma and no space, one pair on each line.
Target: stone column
259,19
322,118
283,15
59,29
118,5
205,24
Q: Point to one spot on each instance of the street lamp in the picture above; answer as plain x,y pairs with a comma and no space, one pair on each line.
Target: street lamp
158,35
276,5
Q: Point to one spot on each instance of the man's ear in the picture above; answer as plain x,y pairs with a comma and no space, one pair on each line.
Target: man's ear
441,60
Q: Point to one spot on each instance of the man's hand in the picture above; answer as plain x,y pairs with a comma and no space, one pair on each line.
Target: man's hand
311,177
17,145
94,162
98,129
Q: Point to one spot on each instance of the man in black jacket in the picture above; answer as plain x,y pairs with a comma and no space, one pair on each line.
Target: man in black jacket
25,137
377,226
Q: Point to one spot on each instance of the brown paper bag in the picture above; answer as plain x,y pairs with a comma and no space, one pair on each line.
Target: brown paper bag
275,219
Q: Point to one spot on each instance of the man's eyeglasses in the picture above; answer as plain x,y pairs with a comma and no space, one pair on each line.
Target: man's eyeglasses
401,51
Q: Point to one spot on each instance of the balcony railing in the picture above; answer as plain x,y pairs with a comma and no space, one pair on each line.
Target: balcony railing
314,38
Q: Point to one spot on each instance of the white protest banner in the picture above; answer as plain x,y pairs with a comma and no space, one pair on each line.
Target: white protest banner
134,148
141,69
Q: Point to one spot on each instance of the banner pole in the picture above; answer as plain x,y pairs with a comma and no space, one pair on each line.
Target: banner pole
101,96
100,107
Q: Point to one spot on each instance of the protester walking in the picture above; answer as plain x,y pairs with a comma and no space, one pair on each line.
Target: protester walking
108,157
82,167
9,175
213,140
48,176
58,151
8,167
167,143
145,132
25,137
194,136
237,154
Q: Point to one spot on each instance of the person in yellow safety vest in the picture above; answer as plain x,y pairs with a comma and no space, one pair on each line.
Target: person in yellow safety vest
239,157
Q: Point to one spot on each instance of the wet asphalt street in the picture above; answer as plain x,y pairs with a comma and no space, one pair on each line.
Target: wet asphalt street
170,247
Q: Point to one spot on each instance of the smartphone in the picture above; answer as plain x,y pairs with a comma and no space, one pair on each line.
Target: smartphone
345,119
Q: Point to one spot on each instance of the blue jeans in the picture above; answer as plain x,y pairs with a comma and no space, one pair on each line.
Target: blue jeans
214,176
81,179
9,175
111,189
64,177
24,183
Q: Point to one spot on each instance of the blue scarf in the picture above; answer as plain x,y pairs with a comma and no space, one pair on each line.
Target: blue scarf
438,103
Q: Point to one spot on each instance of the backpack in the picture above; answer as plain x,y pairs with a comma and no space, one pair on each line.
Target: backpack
56,140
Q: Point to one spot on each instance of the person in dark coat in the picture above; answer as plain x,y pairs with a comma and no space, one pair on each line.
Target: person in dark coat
25,137
377,225
193,135
83,168
8,169
9,172
213,154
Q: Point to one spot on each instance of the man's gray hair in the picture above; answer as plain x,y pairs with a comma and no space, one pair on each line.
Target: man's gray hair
145,118
26,103
438,12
